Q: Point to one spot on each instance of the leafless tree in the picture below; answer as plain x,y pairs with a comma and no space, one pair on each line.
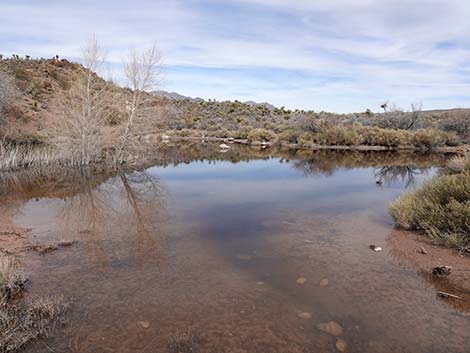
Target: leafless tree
142,72
396,118
8,93
81,111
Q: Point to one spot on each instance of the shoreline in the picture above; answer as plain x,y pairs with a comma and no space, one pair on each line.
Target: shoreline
461,149
405,247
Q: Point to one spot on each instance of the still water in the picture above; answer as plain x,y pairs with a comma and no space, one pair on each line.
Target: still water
248,251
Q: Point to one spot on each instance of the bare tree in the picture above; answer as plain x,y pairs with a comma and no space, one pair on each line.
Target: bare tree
80,113
142,72
396,118
7,93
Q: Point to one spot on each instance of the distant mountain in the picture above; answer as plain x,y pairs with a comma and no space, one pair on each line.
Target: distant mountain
265,104
176,96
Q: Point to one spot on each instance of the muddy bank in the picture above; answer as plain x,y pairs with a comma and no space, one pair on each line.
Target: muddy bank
13,238
419,252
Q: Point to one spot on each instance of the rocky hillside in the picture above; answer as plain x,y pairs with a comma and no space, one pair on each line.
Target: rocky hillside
38,83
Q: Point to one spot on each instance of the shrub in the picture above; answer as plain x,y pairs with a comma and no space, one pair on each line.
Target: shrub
458,164
374,136
441,208
260,135
288,136
7,93
434,138
242,134
337,135
305,138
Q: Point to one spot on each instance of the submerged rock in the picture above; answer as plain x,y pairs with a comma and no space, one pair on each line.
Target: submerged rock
144,324
324,282
441,271
331,327
423,251
305,315
340,345
375,248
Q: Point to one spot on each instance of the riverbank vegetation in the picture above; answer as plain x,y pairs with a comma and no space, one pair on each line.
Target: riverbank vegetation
22,323
53,111
441,207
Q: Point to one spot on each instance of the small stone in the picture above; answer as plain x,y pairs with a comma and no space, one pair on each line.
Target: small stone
223,146
259,283
305,316
301,280
341,345
324,282
375,248
332,328
144,324
441,271
423,251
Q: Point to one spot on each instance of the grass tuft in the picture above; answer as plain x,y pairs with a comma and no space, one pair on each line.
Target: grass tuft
24,323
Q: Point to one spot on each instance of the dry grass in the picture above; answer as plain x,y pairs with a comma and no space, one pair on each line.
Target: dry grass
22,325
189,341
440,208
28,322
12,279
14,156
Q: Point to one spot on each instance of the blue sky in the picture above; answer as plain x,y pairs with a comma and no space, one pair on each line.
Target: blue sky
334,55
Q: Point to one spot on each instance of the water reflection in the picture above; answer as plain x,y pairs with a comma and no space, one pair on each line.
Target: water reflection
82,205
236,238
405,174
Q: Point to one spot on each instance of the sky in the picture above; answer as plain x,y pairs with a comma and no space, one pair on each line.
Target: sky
333,55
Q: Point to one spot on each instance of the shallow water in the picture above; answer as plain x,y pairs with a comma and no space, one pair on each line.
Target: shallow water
216,249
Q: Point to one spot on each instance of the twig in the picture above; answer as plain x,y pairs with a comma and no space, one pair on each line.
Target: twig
453,296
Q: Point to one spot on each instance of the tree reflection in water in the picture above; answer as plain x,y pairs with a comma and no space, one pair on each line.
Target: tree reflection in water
129,207
405,174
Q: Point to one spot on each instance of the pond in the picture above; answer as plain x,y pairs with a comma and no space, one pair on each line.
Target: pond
243,251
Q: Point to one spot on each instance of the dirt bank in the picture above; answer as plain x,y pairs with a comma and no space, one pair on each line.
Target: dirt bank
407,248
13,239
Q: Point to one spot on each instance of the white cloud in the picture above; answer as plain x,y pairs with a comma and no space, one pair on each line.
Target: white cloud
343,55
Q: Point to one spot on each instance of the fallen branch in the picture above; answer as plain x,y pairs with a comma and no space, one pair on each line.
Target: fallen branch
446,295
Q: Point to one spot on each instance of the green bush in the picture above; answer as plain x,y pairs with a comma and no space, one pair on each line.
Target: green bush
440,208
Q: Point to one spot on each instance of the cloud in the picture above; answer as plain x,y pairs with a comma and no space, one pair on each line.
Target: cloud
325,55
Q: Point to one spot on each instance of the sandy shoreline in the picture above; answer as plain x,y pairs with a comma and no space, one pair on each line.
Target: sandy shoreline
406,248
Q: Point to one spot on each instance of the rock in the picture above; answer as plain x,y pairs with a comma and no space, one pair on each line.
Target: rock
423,251
305,315
332,328
165,137
341,345
324,282
375,248
144,324
441,271
301,280
260,283
223,146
